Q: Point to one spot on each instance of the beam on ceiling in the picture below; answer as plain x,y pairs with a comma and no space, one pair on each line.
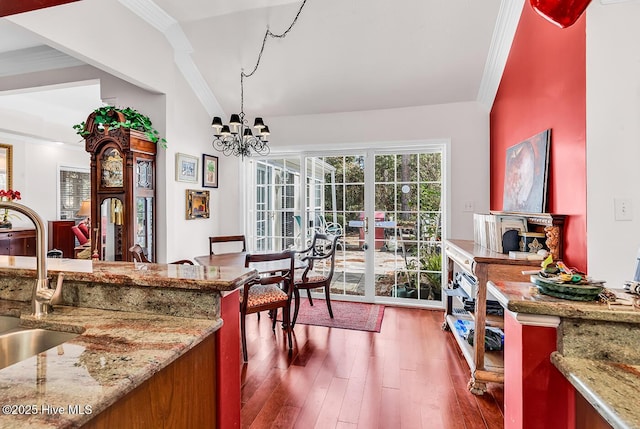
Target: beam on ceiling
12,7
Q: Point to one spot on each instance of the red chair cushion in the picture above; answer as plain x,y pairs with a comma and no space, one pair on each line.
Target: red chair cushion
82,239
83,227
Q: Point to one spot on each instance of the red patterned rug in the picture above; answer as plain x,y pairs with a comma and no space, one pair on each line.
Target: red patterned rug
346,315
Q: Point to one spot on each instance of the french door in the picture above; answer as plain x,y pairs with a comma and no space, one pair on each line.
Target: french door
387,207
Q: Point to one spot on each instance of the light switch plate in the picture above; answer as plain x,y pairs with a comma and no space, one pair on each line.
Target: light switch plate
469,206
623,209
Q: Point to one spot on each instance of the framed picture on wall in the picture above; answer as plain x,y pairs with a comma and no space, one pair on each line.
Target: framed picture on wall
525,180
197,204
209,171
186,168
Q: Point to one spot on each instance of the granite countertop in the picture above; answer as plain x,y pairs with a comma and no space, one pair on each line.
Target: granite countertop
114,353
610,387
175,276
132,320
598,346
523,297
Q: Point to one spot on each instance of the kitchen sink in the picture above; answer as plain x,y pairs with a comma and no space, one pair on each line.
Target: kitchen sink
19,344
8,322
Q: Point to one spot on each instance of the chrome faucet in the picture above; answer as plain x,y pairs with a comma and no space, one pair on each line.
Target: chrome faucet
42,297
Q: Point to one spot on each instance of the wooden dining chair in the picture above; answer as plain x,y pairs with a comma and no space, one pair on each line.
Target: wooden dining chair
321,258
137,253
226,239
269,292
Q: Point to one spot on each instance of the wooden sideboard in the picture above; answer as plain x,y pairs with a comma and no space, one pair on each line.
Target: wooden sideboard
61,237
484,265
18,242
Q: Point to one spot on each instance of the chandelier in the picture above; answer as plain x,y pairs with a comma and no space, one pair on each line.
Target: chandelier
236,138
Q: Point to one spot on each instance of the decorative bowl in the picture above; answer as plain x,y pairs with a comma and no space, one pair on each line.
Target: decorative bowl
572,291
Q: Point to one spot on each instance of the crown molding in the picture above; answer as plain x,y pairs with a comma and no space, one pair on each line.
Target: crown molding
182,49
503,33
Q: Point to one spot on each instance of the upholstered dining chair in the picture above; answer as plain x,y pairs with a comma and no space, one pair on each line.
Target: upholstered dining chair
137,253
321,259
269,292
226,239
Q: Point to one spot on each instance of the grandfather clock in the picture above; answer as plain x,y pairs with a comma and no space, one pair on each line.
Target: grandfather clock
122,190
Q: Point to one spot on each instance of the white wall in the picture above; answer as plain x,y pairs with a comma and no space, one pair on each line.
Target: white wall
613,139
35,174
466,125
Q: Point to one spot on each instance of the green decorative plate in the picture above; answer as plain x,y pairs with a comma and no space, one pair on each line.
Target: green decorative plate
574,292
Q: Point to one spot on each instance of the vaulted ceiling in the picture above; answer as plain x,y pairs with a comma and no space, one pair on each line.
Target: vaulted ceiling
341,56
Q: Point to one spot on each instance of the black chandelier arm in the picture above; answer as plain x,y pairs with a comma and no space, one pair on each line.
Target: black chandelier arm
238,146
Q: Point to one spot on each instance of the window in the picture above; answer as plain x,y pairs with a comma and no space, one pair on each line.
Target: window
75,186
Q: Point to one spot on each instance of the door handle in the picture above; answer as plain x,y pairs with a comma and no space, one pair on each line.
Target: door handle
366,224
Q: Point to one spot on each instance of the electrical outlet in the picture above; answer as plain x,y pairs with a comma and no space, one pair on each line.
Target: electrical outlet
469,206
623,209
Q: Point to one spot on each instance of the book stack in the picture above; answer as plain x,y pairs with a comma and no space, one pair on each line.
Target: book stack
489,228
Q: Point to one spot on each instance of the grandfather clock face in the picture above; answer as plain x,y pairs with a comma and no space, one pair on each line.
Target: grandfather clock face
112,169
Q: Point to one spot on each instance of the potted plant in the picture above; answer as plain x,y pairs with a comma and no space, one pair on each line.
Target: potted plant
7,195
422,276
132,119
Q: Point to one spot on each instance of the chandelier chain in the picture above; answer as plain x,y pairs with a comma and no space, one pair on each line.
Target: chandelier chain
237,138
268,34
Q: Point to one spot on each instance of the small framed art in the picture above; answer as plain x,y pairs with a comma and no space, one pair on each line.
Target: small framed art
209,171
197,204
186,168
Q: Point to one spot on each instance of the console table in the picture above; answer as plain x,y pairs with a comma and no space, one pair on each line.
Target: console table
18,242
484,265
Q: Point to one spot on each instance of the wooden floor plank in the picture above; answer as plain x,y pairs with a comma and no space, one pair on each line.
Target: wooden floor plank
330,411
409,375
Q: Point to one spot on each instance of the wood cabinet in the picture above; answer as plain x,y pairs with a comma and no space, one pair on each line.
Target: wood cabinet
18,242
181,395
123,203
483,265
61,236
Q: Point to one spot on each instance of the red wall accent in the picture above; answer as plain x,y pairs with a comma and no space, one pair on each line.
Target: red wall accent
544,86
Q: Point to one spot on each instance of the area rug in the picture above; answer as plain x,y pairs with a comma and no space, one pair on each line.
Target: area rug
346,315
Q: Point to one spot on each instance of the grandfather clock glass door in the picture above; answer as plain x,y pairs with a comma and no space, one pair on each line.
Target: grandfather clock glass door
112,204
144,205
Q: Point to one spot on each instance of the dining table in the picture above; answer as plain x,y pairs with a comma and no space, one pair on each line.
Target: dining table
238,259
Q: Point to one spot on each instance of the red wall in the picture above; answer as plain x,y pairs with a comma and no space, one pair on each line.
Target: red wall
544,86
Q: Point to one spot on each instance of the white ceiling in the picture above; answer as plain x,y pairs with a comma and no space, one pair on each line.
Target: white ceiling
342,55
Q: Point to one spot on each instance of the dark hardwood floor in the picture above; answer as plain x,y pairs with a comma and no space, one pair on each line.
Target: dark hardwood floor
410,375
